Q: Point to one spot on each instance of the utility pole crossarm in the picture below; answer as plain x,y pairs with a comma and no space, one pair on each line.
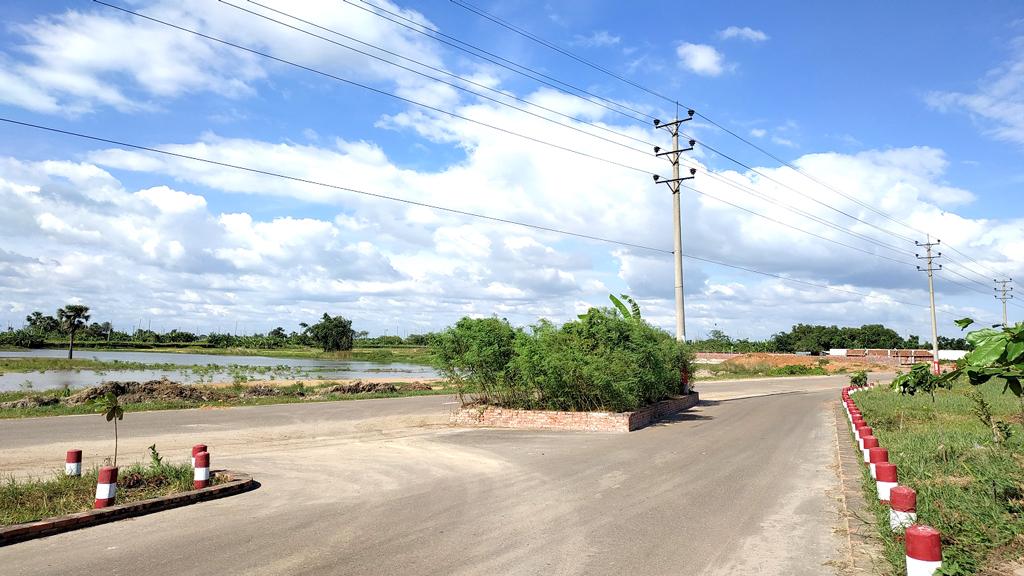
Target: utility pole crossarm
1004,294
674,156
929,257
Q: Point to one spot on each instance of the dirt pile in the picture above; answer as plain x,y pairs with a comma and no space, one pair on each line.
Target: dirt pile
359,387
151,391
762,360
30,402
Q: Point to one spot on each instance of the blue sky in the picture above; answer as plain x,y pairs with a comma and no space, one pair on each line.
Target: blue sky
915,108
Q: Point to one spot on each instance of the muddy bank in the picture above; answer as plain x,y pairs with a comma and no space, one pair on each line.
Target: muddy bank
164,390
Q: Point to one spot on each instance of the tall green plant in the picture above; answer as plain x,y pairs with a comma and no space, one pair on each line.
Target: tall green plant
111,409
631,313
919,379
998,355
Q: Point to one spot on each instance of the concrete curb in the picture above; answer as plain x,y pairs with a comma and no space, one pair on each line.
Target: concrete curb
237,483
494,417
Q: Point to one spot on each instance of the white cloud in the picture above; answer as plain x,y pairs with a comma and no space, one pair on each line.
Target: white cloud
701,59
744,33
784,142
758,132
998,103
75,62
597,39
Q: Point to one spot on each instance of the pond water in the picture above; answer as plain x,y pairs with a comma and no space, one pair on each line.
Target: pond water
212,368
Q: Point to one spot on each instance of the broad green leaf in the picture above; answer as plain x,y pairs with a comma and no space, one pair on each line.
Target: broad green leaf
963,323
1014,350
989,350
620,307
977,337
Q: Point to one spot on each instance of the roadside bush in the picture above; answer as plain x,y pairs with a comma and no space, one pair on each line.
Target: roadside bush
859,378
474,355
601,361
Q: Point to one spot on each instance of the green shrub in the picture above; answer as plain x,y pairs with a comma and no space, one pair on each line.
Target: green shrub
859,378
602,361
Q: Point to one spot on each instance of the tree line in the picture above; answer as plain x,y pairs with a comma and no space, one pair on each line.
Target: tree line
817,339
331,333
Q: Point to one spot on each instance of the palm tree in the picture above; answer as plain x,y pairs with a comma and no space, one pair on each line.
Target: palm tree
72,317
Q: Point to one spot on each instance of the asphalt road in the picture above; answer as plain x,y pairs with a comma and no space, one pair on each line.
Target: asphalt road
737,486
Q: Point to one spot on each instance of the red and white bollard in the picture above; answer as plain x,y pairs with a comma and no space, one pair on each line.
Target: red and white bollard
869,442
73,463
862,433
902,508
876,456
924,550
885,480
202,472
106,487
196,450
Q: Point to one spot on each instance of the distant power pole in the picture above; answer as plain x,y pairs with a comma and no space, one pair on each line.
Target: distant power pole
930,258
1004,294
673,156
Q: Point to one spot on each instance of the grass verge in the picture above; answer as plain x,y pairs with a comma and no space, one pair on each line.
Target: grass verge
35,499
968,487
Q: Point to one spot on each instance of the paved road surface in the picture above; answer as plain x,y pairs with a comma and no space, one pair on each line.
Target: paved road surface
738,486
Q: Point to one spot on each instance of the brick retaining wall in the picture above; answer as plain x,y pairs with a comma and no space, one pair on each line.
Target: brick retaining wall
494,417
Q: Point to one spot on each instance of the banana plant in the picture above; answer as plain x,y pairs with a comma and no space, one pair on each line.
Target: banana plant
632,312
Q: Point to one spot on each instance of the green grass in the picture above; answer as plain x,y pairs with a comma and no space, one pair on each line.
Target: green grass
969,488
291,394
35,499
39,364
726,371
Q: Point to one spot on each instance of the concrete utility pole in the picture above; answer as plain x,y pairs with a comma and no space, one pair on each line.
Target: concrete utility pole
1004,294
929,257
677,231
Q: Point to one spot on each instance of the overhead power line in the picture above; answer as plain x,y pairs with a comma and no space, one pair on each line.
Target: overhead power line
433,108
477,52
470,81
328,185
535,38
468,213
372,89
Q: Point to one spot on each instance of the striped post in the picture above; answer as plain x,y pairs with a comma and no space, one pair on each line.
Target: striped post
924,550
903,508
73,463
196,450
876,455
869,443
862,433
106,487
202,472
885,480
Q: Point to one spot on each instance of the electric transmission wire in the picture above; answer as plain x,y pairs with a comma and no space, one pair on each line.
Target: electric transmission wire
408,100
560,50
441,71
501,62
788,225
273,174
371,88
327,185
526,34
